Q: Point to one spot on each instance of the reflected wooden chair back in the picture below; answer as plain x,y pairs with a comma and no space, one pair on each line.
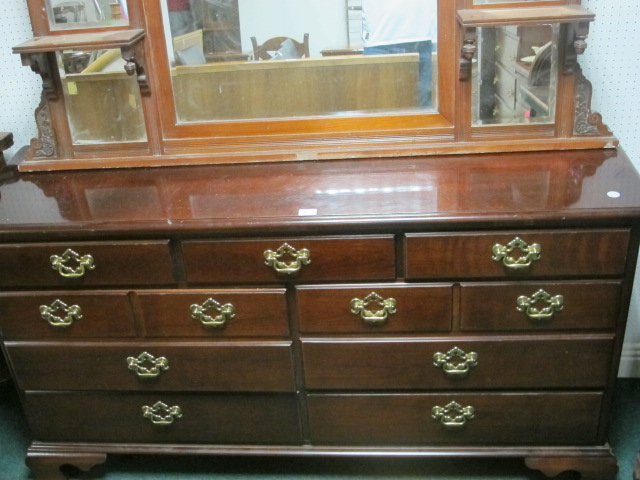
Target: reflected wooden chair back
263,52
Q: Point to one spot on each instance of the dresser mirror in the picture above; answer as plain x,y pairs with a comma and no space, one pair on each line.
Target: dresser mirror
78,14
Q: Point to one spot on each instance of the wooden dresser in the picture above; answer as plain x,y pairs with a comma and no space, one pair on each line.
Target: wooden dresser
442,306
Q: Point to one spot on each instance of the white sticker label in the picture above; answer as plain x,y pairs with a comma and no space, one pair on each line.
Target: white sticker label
307,212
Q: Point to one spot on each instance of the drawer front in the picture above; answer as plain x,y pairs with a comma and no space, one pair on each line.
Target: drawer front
513,362
244,261
540,306
214,313
561,253
493,419
230,366
88,263
65,315
92,417
374,308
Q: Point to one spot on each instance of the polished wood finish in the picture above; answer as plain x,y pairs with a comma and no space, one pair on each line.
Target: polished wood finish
294,371
79,41
488,17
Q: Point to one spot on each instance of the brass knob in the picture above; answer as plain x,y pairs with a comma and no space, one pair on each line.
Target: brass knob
146,365
161,414
455,363
297,258
225,313
72,313
527,305
386,307
453,415
72,265
502,254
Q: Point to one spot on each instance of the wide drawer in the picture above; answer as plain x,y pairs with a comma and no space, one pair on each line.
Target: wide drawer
301,259
214,313
93,417
485,363
455,419
228,366
374,308
516,254
540,306
65,314
86,263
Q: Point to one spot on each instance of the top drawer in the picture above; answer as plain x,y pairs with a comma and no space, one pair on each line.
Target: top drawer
86,263
299,259
516,254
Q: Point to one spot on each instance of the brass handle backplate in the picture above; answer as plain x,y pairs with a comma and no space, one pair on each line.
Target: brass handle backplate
225,313
502,254
453,415
286,259
385,308
146,365
72,265
161,414
455,363
527,305
72,313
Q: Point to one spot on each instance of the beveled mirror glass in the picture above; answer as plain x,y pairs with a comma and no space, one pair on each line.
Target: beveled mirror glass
78,14
515,79
329,58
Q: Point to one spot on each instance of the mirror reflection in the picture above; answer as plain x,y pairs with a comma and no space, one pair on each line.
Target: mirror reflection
252,59
491,2
516,76
75,14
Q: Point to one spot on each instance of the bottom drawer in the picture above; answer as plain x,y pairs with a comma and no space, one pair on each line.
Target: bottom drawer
93,417
493,419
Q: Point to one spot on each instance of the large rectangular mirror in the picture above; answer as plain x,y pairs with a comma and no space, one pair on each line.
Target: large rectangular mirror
80,14
254,59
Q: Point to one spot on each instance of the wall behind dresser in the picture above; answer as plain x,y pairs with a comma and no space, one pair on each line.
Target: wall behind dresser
610,62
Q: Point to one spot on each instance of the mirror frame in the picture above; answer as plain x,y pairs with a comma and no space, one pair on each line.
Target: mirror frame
445,131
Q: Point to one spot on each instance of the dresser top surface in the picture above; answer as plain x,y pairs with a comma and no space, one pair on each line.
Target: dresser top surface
452,190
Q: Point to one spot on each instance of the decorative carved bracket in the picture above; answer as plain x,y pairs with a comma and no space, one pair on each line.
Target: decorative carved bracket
135,58
41,64
576,45
586,122
469,47
45,144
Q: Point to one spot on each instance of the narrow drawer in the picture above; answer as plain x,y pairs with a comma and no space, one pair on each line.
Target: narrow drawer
65,315
374,309
229,366
308,259
93,417
492,419
560,253
214,313
484,363
86,263
540,306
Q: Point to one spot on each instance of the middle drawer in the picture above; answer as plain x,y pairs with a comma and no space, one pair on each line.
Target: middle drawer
205,367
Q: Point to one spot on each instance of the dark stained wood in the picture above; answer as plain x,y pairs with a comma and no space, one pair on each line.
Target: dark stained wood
243,261
492,307
47,466
419,308
405,419
205,367
503,363
264,419
589,468
104,314
564,253
258,313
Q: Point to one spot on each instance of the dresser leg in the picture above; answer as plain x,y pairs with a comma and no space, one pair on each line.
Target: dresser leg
590,468
47,466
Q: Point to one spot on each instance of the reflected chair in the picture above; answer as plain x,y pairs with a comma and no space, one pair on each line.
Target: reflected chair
189,48
267,49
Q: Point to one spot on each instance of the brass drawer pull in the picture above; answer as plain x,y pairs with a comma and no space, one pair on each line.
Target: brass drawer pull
72,313
553,304
386,307
161,414
297,258
501,253
455,363
79,264
225,313
146,365
453,415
